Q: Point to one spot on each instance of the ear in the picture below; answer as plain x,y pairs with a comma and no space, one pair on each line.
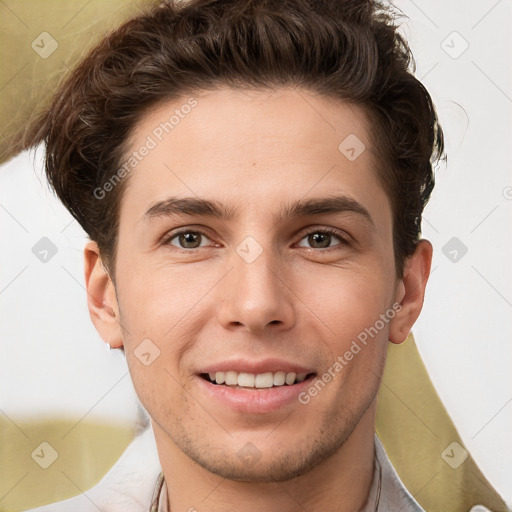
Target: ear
101,297
411,292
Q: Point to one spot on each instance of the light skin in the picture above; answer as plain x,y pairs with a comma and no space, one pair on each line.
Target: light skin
303,300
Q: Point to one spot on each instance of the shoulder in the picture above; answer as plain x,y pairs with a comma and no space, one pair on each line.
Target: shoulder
127,487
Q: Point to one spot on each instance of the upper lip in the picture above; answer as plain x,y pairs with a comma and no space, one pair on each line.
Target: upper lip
255,367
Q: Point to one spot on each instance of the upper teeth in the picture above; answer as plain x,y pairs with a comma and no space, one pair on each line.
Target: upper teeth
260,380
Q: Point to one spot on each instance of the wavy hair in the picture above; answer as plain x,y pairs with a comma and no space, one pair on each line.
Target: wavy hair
348,50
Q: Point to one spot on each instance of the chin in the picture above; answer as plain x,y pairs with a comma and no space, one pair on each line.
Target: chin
275,463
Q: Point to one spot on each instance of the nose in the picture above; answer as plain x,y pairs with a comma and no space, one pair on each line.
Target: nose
256,294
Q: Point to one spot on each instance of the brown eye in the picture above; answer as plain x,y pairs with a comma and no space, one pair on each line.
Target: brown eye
187,239
323,238
320,240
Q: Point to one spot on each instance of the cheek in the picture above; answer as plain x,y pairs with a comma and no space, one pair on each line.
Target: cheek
349,300
352,304
160,323
157,301
162,309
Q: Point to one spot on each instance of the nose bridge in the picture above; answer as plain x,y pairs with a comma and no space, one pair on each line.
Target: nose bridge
256,295
255,269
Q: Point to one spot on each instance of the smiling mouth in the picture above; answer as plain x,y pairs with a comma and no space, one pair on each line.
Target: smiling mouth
242,380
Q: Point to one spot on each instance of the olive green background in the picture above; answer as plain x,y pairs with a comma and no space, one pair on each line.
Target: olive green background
412,423
27,80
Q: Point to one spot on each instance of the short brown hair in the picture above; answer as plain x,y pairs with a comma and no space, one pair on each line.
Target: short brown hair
344,49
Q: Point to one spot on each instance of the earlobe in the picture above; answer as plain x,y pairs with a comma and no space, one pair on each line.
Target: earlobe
101,297
411,292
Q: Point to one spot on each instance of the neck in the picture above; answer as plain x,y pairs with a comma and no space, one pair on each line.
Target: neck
344,479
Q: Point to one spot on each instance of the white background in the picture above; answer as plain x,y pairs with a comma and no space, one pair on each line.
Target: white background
53,362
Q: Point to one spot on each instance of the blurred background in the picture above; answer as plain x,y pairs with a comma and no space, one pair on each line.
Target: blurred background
53,363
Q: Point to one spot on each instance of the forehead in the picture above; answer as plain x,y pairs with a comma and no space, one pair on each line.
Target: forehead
253,148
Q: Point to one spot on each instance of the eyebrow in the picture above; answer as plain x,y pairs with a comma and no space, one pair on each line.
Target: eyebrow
211,208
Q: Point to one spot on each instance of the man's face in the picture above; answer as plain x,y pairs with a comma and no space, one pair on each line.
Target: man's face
260,292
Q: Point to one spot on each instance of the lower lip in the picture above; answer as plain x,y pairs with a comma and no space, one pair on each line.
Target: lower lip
255,401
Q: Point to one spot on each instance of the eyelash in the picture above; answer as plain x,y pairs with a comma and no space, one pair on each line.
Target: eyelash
325,231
